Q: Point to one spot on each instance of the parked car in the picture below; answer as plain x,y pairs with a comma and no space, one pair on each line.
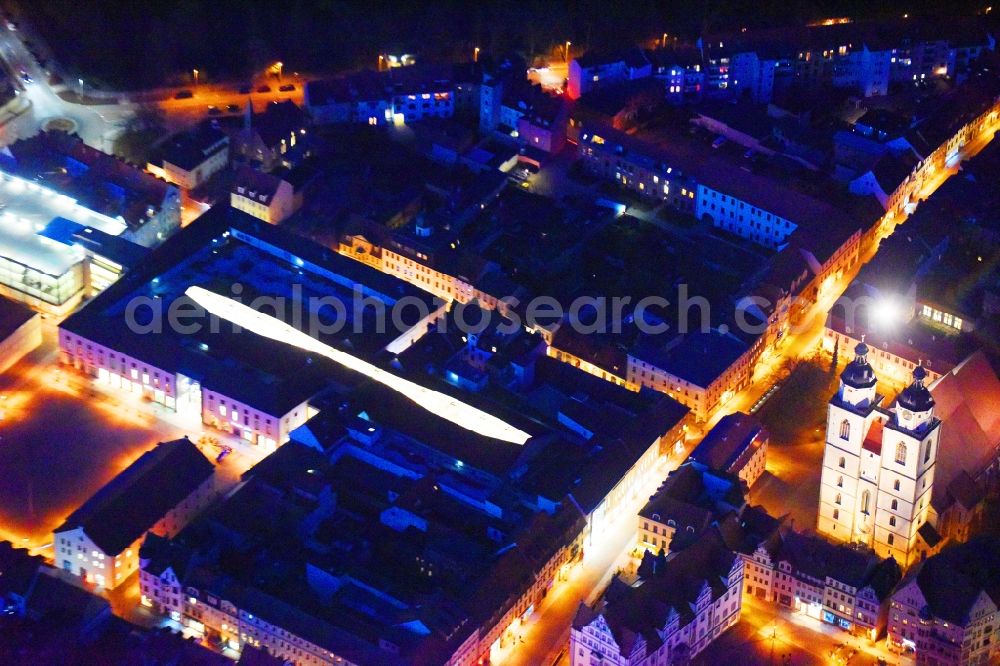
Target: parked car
245,90
264,89
233,108
226,450
288,87
213,110
184,94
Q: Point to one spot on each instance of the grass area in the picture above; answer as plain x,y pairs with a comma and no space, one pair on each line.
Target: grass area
795,410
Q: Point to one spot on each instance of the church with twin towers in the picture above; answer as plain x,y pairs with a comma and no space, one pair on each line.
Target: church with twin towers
878,463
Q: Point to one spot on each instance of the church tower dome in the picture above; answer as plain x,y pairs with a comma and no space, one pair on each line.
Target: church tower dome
858,373
858,380
915,404
916,397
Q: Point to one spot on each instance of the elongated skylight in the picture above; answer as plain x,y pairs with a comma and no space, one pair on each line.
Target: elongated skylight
438,403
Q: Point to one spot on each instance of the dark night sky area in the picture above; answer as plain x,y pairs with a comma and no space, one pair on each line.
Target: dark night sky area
132,43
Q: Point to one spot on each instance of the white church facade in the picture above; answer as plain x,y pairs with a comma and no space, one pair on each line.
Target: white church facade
878,464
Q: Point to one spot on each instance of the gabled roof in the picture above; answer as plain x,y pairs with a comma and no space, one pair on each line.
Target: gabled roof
189,149
733,435
891,170
819,559
255,185
278,121
967,400
135,500
952,580
644,609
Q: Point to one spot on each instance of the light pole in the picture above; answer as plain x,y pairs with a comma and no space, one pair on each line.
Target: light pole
80,81
568,44
381,59
475,54
195,73
279,65
663,42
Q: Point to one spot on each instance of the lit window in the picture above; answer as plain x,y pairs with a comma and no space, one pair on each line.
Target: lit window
222,410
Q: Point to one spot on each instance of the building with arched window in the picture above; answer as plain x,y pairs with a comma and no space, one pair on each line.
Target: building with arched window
879,464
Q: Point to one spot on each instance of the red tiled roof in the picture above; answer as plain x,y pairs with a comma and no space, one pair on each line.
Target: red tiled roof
873,440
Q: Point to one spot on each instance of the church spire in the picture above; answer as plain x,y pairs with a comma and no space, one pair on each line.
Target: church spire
859,373
915,397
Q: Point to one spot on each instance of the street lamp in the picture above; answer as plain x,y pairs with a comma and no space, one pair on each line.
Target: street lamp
194,73
381,59
663,42
568,44
80,81
475,54
278,65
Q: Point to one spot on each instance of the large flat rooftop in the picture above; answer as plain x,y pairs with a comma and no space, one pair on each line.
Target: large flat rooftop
236,256
26,209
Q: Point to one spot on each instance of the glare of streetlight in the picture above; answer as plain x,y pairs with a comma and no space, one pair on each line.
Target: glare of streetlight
475,54
663,42
381,59
195,73
568,44
887,313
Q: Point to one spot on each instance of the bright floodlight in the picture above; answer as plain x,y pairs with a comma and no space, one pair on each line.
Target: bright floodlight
435,402
886,313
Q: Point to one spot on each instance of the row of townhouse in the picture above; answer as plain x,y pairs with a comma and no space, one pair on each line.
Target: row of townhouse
700,370
835,584
967,115
763,63
238,616
946,611
421,264
396,95
695,596
813,254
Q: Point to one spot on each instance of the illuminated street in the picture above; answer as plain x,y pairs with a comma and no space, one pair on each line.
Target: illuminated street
718,406
766,633
546,633
790,486
97,125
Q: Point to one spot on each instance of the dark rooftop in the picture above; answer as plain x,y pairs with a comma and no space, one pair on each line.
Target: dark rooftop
952,580
13,315
136,499
728,440
189,149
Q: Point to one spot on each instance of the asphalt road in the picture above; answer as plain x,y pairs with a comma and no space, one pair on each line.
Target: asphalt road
96,125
